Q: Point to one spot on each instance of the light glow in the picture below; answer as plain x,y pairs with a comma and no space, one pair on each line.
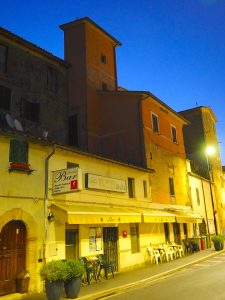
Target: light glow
210,150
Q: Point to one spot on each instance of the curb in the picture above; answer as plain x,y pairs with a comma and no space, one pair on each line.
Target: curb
124,287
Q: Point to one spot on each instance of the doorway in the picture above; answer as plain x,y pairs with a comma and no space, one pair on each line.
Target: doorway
110,237
12,255
72,244
176,232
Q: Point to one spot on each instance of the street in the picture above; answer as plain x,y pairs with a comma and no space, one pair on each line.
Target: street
204,280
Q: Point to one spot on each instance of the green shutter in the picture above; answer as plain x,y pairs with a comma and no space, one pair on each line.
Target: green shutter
18,151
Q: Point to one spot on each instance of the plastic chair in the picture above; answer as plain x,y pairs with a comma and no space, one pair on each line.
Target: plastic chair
106,266
169,253
179,251
154,255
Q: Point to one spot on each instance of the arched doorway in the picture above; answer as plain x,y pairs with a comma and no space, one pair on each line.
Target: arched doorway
12,255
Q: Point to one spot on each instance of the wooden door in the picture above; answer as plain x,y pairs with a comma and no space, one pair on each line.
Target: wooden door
12,255
110,237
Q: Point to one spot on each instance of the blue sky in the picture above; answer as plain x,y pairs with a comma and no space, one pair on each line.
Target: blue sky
173,48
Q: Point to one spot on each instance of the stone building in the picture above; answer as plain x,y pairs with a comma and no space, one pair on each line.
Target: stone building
33,89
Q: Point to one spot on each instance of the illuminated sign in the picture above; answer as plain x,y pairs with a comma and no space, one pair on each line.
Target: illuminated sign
66,181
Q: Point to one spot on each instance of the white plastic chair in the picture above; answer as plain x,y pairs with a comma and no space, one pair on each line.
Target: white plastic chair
154,255
178,250
169,253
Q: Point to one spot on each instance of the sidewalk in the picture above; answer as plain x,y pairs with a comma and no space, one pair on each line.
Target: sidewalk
125,280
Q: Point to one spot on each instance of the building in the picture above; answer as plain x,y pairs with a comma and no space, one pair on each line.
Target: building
198,136
33,89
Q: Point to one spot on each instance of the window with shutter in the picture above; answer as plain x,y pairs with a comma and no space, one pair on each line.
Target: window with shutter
18,151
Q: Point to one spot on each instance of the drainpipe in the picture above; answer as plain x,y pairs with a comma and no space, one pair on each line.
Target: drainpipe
46,200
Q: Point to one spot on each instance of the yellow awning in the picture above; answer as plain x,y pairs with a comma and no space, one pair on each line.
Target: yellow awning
98,215
157,216
184,217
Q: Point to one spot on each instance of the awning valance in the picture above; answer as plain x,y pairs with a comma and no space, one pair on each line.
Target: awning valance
98,215
186,217
157,216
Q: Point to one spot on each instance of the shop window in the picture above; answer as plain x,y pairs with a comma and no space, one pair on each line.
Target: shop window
31,111
134,238
174,134
95,239
18,151
5,98
3,58
171,185
131,189
155,123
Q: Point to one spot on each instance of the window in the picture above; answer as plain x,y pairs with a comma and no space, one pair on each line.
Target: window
103,59
52,80
197,196
95,239
72,242
155,123
134,238
5,98
72,165
31,111
131,187
171,184
3,58
18,151
104,86
73,130
174,134
145,188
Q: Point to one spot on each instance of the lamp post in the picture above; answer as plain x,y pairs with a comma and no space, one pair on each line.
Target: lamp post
210,151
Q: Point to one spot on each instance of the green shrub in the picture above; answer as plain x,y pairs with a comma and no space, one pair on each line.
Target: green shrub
55,270
218,238
74,269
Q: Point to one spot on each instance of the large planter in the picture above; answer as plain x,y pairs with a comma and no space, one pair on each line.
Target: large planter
218,246
72,287
54,289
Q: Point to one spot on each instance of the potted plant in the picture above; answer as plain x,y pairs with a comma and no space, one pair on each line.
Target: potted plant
54,273
218,241
75,270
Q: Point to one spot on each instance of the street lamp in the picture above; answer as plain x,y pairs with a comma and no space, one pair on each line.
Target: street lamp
210,150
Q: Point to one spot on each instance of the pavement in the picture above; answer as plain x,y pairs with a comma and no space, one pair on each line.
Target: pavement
128,279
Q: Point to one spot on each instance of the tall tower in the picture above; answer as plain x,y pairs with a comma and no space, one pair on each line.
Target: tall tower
90,51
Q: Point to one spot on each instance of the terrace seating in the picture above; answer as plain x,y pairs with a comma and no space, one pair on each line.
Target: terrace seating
154,255
179,251
167,252
106,266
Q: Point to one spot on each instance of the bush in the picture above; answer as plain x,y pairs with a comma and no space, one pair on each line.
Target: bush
55,270
218,238
74,269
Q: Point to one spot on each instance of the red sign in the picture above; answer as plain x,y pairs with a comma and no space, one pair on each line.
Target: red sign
73,184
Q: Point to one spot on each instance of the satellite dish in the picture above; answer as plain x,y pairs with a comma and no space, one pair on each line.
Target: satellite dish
9,121
18,125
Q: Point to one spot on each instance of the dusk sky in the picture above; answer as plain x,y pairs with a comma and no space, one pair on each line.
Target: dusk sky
172,48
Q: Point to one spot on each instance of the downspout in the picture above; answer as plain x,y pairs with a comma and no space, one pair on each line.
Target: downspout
46,200
206,214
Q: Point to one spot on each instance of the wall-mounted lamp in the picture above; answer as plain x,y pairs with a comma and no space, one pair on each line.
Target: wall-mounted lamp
51,217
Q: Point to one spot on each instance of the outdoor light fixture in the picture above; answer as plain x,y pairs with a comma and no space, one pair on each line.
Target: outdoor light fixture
51,217
210,150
